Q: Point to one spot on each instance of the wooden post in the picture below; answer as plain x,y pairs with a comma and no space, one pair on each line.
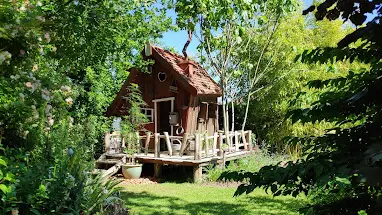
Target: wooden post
197,147
250,140
220,145
115,140
198,173
147,142
214,143
123,143
157,170
169,147
107,142
156,145
184,144
206,146
244,140
236,141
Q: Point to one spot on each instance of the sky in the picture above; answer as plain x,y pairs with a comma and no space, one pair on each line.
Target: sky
178,39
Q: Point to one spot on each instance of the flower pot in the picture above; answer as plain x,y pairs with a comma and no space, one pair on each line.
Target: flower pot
132,171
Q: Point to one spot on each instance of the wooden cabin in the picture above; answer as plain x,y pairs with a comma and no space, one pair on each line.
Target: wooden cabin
181,96
182,108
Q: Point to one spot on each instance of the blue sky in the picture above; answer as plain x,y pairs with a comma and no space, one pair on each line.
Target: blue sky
178,39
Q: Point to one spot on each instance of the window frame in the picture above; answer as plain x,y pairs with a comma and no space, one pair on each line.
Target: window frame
147,115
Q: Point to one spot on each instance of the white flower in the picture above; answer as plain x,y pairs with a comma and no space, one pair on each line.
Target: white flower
34,68
54,49
39,4
69,101
22,8
29,84
50,121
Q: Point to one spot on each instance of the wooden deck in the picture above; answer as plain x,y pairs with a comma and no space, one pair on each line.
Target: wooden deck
187,160
194,150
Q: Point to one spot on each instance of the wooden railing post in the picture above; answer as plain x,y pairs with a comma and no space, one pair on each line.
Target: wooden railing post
147,142
214,143
169,147
184,144
236,141
156,145
220,145
107,142
244,140
198,147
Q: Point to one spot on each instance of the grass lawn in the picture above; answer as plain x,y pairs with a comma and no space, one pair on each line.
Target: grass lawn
185,198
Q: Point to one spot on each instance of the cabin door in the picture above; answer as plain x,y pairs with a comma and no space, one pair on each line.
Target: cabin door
164,109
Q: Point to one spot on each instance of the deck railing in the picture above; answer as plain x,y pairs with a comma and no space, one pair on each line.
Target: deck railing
199,145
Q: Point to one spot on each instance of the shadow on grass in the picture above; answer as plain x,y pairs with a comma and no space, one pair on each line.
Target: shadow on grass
147,203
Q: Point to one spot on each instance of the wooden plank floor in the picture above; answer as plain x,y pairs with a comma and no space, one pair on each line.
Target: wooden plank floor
186,160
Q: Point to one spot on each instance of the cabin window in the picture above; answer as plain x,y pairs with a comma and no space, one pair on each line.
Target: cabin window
162,76
212,110
149,112
203,111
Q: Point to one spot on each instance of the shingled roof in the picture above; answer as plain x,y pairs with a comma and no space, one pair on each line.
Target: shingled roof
196,77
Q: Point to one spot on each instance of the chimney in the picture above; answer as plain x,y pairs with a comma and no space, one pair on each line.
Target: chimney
188,67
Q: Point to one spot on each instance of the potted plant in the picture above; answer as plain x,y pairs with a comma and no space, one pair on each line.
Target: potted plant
131,169
130,127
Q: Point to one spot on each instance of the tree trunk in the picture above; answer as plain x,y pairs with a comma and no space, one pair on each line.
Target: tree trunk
232,115
246,111
225,116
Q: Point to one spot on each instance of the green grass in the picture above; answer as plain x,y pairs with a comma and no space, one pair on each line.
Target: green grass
171,198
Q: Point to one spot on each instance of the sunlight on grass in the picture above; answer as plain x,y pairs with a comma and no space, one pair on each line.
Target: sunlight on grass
170,198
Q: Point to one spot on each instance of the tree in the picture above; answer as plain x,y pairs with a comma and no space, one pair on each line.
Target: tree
221,24
280,77
345,162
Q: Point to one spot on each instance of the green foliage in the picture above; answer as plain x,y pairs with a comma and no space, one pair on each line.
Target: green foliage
282,78
61,64
346,158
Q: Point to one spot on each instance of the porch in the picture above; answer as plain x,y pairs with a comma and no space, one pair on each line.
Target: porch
188,150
